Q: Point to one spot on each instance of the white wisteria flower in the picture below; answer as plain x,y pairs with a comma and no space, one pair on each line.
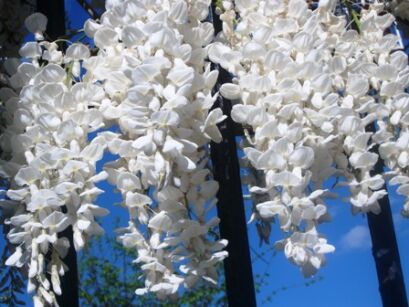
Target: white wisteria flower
151,64
48,160
306,87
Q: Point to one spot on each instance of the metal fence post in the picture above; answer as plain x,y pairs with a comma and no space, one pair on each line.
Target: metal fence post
385,248
233,227
55,12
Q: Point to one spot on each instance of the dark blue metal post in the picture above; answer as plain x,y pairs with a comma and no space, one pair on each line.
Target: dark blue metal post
233,227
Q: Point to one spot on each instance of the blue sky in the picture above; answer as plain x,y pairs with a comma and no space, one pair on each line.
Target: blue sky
348,279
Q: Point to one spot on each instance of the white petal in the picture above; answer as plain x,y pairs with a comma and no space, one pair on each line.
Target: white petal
285,179
179,12
161,222
49,121
270,160
92,152
131,36
36,23
364,160
90,27
240,113
166,118
56,220
55,279
230,91
357,85
30,50
77,51
14,259
137,200
27,176
105,37
181,75
302,157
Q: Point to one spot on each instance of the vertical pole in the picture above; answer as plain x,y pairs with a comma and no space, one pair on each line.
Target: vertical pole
55,12
386,255
233,227
384,245
385,249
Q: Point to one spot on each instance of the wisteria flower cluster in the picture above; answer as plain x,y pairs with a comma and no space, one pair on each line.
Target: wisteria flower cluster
159,92
49,161
307,88
149,78
316,92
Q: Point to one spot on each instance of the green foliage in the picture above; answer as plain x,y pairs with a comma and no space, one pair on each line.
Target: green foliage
109,278
271,294
356,22
219,4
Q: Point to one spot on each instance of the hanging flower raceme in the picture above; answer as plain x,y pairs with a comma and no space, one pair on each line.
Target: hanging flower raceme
393,134
388,74
304,85
273,54
151,63
49,163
